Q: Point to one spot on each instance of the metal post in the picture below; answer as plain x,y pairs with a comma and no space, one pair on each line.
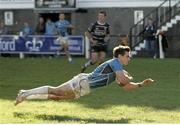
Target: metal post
130,38
157,18
161,53
21,55
170,14
87,44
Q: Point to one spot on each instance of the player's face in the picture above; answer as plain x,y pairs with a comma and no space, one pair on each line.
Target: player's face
101,17
125,59
41,20
61,16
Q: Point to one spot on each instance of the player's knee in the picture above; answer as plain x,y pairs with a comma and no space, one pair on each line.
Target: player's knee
66,48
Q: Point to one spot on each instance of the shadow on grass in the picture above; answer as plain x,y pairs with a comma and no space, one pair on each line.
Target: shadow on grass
113,96
59,118
76,119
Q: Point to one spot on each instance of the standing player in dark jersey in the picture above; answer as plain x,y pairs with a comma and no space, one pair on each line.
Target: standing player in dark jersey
82,84
98,34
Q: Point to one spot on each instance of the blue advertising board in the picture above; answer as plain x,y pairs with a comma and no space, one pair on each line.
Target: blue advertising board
39,44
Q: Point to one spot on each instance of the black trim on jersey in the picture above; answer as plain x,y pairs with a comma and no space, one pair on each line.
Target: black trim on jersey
107,70
99,85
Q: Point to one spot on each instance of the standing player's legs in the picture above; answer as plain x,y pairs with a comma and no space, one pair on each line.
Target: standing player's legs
102,56
64,91
102,53
153,49
148,47
92,61
66,50
65,47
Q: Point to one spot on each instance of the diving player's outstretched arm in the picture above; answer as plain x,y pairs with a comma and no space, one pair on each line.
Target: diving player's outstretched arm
126,83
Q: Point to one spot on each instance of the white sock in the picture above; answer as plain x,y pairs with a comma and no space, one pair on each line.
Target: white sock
37,96
39,90
88,63
58,53
70,59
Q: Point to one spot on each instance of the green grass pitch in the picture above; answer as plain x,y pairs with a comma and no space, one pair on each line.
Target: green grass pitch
158,103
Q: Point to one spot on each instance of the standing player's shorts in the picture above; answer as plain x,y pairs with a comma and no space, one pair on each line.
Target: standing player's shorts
80,85
62,40
99,48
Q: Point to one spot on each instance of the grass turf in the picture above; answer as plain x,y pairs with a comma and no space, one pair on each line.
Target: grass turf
159,103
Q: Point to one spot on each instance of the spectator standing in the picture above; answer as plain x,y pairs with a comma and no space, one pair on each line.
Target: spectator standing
149,33
49,28
164,42
3,30
27,29
40,28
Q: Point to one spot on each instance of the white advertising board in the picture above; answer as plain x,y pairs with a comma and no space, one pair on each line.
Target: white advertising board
16,4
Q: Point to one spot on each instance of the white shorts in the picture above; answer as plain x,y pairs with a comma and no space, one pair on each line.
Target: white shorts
62,40
80,85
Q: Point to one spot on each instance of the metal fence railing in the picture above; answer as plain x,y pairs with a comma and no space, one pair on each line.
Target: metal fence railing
160,15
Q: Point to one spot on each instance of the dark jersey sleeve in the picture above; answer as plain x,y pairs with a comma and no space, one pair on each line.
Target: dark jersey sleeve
108,29
91,28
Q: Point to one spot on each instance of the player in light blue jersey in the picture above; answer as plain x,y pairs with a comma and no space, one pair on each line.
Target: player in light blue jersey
82,84
62,26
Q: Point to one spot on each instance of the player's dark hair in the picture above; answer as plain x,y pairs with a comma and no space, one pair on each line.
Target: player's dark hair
120,50
103,12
